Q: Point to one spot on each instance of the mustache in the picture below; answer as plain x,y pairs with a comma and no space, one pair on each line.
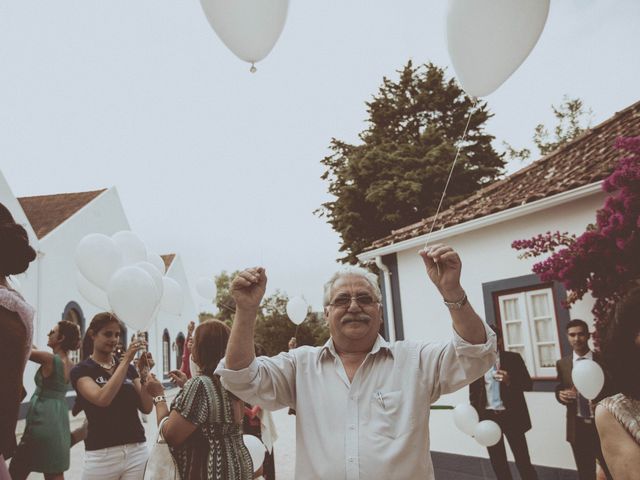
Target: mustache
357,317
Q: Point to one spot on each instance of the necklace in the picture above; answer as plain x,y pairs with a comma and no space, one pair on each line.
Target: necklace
106,366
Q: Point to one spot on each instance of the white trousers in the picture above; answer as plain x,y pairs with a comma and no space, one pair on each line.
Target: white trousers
122,462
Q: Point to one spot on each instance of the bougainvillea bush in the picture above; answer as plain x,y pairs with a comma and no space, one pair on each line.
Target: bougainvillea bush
605,259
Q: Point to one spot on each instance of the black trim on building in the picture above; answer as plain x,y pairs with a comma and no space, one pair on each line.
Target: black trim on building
524,282
391,261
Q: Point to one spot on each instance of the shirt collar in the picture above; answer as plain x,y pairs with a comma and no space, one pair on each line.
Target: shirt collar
380,344
588,355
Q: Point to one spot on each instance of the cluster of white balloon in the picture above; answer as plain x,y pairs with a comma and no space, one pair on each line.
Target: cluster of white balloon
117,274
206,288
487,432
297,310
256,450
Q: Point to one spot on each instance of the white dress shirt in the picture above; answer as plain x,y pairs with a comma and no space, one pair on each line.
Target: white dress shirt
377,426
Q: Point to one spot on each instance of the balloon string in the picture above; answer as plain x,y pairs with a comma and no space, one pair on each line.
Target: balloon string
444,192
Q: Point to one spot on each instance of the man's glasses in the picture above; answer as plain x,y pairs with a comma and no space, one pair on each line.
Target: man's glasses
345,300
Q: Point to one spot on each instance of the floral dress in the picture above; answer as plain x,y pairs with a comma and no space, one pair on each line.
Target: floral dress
215,451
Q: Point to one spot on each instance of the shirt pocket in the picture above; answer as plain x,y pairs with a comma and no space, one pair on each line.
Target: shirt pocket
390,415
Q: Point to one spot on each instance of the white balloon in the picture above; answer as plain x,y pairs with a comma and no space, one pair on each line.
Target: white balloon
133,296
297,310
206,288
132,248
249,28
487,433
465,418
256,450
489,39
92,293
155,274
172,297
587,377
156,260
98,257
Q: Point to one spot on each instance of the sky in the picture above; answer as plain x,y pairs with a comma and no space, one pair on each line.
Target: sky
223,166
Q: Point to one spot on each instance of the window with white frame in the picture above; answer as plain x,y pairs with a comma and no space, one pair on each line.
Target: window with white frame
166,353
529,327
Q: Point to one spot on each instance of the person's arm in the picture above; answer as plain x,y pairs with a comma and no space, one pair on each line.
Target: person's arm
146,401
43,358
103,396
186,350
621,452
247,290
444,268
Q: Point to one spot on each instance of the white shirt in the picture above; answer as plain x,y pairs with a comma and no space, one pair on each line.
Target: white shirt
377,426
588,356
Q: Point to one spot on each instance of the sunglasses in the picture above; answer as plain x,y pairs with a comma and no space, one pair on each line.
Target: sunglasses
363,300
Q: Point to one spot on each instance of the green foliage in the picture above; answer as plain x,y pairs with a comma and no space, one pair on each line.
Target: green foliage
573,118
397,174
273,328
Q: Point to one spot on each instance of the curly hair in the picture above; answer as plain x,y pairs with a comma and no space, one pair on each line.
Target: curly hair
15,252
71,334
620,351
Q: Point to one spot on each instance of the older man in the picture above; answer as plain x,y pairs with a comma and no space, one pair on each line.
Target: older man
362,403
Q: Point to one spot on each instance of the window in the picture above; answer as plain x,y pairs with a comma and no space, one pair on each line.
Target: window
73,314
179,349
529,327
166,353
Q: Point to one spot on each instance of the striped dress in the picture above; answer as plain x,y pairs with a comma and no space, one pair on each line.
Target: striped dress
215,451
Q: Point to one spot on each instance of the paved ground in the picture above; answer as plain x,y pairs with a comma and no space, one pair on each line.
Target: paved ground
284,447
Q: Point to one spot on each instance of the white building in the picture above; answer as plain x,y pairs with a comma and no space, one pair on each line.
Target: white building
55,224
561,191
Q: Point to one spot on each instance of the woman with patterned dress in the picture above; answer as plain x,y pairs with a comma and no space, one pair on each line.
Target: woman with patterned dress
204,426
16,331
45,443
618,416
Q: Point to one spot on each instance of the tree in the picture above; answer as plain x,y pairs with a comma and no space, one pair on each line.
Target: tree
605,259
397,174
573,119
273,328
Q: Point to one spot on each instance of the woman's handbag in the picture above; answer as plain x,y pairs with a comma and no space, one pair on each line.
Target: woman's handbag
161,465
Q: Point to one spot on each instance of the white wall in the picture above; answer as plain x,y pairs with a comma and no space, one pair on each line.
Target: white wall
174,324
487,256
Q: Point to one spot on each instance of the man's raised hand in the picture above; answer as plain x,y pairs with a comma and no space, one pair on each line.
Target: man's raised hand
248,287
444,267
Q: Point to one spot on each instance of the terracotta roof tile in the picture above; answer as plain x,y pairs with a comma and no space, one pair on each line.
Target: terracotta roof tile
46,212
585,160
168,260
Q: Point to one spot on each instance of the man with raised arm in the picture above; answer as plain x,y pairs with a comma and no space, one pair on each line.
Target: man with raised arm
362,403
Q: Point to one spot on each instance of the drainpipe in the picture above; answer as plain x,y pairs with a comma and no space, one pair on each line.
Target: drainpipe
386,278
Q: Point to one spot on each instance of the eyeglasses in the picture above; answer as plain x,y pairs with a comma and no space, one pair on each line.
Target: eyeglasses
342,301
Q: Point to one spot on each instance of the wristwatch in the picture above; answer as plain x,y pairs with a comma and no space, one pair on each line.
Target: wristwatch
457,305
158,399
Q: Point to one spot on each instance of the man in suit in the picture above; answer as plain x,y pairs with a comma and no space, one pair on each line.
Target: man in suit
581,428
498,396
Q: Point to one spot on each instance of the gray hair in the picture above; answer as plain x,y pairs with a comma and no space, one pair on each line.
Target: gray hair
348,271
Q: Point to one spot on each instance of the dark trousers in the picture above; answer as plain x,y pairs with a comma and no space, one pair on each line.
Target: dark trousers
518,443
586,448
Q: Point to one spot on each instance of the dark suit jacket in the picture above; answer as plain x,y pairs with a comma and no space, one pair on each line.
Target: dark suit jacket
516,414
564,366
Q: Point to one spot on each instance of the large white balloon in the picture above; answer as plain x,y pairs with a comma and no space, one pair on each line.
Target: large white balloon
297,310
132,248
133,296
172,297
465,418
206,288
156,260
256,450
588,378
487,433
92,293
489,39
155,274
98,257
249,28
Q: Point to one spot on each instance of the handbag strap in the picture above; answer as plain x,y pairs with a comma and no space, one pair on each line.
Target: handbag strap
160,438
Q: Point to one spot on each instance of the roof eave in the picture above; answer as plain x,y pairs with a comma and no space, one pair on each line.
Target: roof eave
486,221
